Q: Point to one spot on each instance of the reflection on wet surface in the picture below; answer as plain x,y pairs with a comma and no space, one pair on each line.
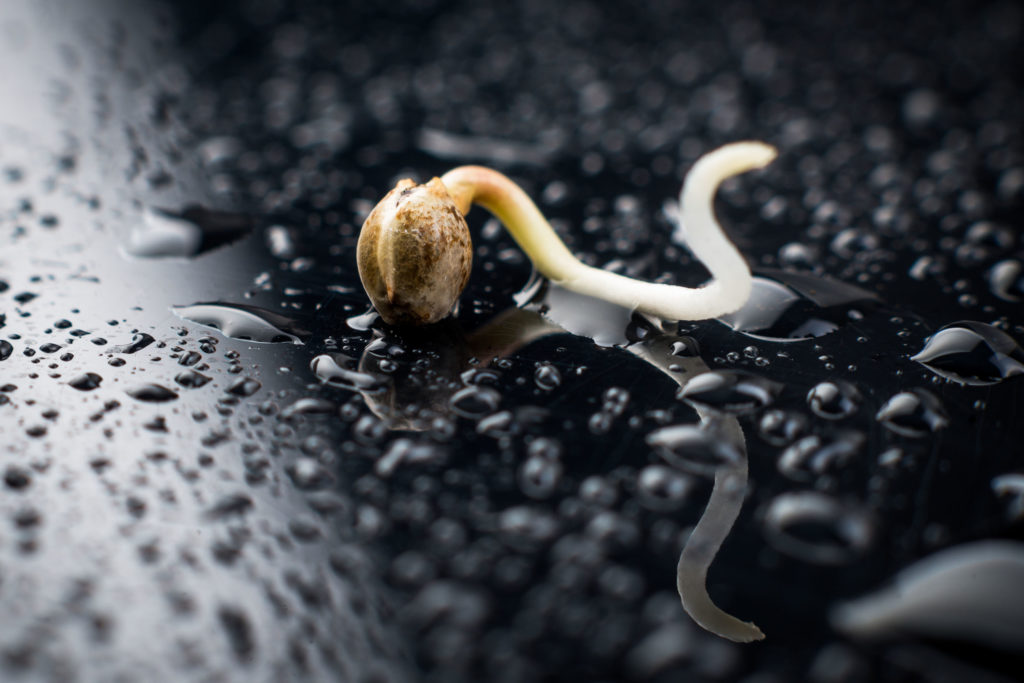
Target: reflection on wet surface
215,464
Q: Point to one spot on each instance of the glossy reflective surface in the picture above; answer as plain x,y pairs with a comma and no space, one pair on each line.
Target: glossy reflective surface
217,466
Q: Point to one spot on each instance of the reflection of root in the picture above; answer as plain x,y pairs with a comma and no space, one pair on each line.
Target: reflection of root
707,537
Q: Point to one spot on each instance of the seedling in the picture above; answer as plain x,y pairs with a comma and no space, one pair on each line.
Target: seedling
415,253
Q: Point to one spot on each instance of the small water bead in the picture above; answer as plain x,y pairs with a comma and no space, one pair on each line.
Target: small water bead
812,456
798,255
527,528
834,400
151,393
309,474
614,401
780,427
6,349
599,491
817,528
972,353
369,429
539,476
662,489
1005,281
914,413
730,391
1011,487
547,377
694,449
190,358
86,381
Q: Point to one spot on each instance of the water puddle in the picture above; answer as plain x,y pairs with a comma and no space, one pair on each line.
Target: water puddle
248,323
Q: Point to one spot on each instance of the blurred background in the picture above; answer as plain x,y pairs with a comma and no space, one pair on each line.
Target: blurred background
216,468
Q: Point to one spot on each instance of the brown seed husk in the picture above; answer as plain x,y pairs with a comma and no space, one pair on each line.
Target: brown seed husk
414,254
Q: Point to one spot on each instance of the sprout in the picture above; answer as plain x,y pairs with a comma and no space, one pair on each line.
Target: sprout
414,252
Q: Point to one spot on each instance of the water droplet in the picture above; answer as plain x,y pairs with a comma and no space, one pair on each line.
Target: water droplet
662,488
138,342
834,400
475,401
811,456
151,393
249,323
308,406
190,379
780,427
309,474
730,391
6,349
244,386
86,382
539,476
547,377
816,528
407,451
1011,487
691,448
914,413
972,353
329,368
527,528
1005,281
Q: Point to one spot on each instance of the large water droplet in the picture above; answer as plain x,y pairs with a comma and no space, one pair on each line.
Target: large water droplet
972,353
475,401
6,349
691,448
816,528
914,413
151,393
834,400
86,381
190,379
248,323
730,391
792,306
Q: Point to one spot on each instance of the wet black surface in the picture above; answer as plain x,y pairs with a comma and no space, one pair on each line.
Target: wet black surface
214,470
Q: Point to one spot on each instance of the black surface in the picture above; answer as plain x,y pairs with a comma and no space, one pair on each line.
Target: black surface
227,532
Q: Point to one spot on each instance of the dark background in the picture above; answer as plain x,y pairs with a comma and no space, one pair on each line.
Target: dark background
230,531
